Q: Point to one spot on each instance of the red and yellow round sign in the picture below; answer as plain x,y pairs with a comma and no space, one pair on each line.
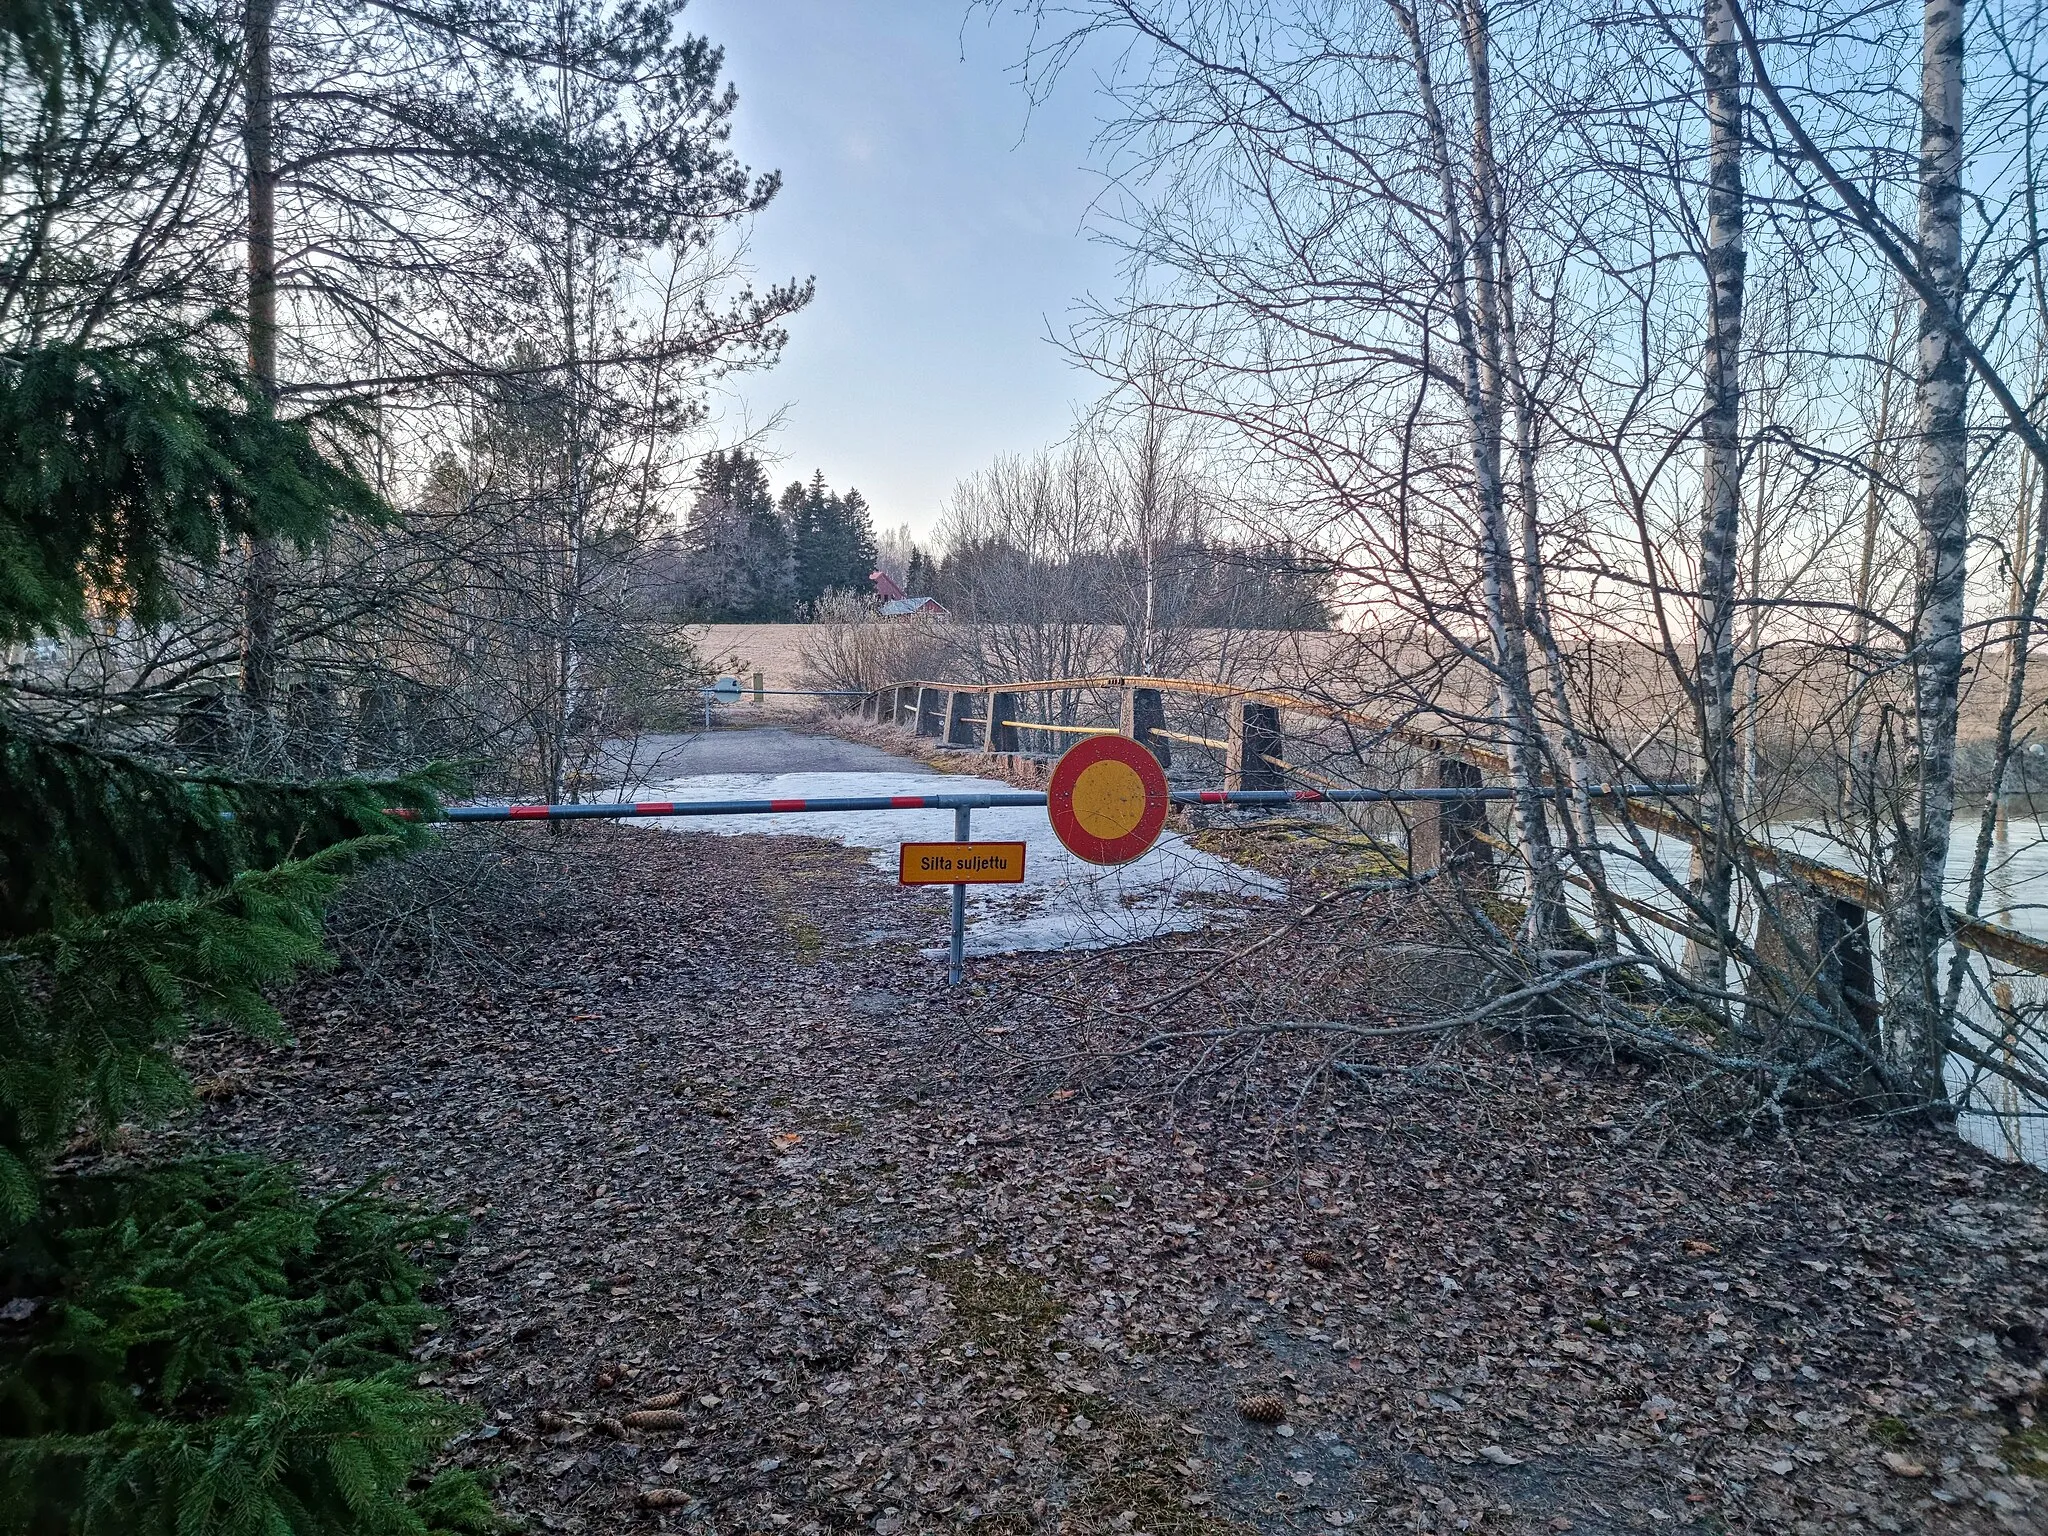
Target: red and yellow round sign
1108,799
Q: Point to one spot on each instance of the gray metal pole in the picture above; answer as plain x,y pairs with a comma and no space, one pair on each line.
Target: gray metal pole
961,823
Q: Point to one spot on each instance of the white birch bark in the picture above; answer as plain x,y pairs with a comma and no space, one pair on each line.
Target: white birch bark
1475,310
1915,919
1721,493
1581,830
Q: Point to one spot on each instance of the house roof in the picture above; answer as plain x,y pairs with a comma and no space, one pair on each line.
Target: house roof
904,607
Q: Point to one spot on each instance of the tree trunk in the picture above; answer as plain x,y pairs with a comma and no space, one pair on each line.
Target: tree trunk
1473,265
260,591
1721,488
1916,921
1581,829
1856,792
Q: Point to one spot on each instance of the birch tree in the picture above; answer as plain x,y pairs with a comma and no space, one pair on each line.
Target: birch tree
1721,481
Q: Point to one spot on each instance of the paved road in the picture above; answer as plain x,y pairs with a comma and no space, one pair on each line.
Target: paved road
755,749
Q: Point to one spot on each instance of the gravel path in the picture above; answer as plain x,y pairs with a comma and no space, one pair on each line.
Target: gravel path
771,1232
744,749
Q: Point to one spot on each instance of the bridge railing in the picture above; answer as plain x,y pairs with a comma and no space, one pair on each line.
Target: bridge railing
1443,834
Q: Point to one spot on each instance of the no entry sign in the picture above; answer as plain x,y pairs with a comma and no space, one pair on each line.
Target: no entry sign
1107,800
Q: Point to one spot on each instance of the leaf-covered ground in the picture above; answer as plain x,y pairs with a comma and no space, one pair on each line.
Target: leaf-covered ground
772,1232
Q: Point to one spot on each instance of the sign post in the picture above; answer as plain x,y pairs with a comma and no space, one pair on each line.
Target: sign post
962,821
960,863
724,691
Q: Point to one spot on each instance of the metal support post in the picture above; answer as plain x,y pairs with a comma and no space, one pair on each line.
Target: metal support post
962,821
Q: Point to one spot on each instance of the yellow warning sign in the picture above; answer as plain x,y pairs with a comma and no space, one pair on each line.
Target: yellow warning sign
960,864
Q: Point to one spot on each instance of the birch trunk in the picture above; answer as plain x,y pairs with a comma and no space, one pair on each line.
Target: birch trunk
1581,830
2021,597
261,580
1476,313
1721,494
569,573
1915,920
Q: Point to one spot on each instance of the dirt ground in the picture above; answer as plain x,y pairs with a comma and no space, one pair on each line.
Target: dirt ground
770,1231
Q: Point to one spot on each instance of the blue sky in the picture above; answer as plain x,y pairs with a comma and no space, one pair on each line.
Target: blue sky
942,218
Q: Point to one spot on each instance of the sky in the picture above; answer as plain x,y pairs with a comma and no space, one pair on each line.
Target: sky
941,214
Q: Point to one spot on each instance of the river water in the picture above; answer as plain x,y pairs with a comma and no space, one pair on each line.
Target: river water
1997,1117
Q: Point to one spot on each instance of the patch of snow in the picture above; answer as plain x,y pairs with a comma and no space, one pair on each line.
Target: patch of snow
1063,902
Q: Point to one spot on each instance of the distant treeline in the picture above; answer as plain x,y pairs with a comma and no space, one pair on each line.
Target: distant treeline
749,557
1194,584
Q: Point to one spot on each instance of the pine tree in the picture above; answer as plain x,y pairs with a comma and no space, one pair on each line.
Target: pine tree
189,1346
742,568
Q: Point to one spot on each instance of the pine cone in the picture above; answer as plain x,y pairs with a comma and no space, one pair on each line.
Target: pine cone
663,1498
1320,1258
657,1418
1262,1408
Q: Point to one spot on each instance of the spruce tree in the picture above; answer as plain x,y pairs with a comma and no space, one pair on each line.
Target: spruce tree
187,1346
833,537
859,553
741,564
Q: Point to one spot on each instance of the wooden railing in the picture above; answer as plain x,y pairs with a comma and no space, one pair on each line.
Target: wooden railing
986,718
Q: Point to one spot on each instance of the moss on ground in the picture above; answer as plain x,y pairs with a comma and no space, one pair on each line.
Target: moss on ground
2026,1451
1009,1312
1303,851
1127,1472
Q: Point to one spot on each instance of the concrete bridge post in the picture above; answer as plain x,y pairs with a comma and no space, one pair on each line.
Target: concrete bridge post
997,738
1144,713
1254,736
931,711
1814,949
1445,833
959,721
